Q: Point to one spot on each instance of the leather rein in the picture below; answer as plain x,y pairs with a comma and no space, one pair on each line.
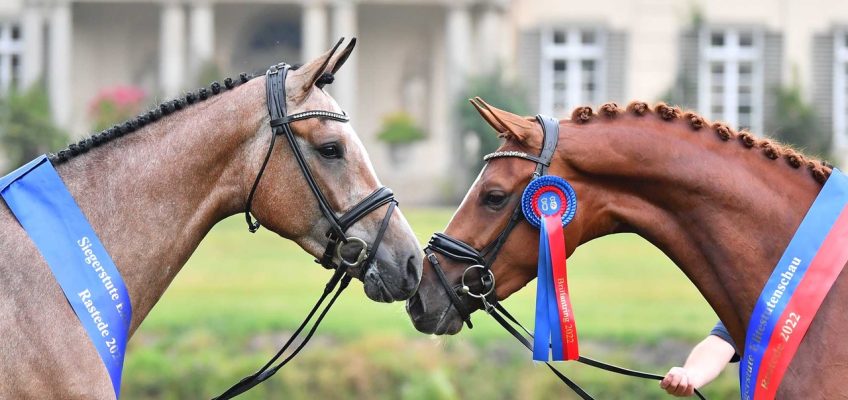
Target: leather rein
337,239
482,261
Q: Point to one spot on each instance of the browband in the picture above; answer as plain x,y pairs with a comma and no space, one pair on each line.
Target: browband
550,133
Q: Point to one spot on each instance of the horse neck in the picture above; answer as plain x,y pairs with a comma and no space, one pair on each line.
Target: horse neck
722,212
152,195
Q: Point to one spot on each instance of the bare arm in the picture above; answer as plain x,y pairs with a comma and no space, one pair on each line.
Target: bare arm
707,359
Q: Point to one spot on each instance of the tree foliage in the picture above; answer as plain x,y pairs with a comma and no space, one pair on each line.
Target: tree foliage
399,128
26,129
796,123
498,91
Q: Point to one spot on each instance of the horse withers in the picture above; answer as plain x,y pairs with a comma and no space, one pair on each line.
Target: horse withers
153,187
721,204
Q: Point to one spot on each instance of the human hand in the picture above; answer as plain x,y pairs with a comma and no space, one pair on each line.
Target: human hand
678,382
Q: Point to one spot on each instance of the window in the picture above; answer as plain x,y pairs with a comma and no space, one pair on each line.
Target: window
11,47
572,69
840,90
730,78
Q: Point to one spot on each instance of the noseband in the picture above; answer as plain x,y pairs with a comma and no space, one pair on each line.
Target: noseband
482,260
337,239
275,88
462,252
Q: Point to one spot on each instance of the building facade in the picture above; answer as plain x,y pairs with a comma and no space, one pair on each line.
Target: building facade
723,58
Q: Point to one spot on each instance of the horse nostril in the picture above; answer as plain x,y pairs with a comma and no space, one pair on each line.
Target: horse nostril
415,306
413,277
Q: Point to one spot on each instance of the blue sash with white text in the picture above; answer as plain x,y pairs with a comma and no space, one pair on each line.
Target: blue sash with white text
821,232
47,211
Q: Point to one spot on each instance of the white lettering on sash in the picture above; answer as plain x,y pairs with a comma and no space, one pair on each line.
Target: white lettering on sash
91,259
102,327
785,279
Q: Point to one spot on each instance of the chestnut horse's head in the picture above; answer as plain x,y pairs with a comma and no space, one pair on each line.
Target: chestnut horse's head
489,220
319,187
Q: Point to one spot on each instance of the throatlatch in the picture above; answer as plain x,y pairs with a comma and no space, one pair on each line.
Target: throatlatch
461,252
337,239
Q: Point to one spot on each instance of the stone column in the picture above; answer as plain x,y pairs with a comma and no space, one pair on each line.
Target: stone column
344,25
201,36
59,79
489,37
313,29
33,53
172,48
458,46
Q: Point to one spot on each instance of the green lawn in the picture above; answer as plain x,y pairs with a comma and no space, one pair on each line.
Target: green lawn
237,284
241,294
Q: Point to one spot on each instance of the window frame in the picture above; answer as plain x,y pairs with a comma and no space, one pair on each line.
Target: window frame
840,87
10,47
731,55
574,53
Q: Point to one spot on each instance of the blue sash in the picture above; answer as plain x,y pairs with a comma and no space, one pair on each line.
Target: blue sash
46,210
788,273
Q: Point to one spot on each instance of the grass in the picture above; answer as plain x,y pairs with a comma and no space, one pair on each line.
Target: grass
238,284
240,295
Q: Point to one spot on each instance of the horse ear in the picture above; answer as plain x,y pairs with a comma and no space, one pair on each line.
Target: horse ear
487,115
312,71
340,59
509,125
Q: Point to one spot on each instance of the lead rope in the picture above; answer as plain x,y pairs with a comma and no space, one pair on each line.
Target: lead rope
340,278
494,308
497,309
280,124
267,371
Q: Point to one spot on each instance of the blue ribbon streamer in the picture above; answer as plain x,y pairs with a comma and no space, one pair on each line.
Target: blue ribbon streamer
547,334
547,331
89,279
783,281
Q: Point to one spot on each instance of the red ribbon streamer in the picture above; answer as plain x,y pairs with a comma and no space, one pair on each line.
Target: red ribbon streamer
802,308
556,239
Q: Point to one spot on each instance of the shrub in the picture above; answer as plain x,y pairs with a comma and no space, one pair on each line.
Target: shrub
796,123
26,128
498,91
399,128
115,104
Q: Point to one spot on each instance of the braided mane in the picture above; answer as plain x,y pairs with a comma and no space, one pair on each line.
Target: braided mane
164,109
819,169
145,118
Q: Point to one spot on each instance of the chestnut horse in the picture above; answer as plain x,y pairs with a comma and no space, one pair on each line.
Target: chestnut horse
721,204
153,187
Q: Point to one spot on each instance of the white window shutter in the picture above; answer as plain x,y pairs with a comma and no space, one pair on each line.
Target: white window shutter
685,91
529,56
822,90
616,63
772,78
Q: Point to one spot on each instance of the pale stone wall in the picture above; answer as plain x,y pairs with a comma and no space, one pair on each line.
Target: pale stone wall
110,50
653,27
10,8
408,58
402,67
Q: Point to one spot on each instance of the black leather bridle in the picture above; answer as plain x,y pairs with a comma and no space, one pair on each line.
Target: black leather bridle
337,239
482,260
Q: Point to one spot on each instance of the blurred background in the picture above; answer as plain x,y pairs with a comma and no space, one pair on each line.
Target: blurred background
72,67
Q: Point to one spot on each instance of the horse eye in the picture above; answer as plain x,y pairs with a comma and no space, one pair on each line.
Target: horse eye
330,150
495,199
